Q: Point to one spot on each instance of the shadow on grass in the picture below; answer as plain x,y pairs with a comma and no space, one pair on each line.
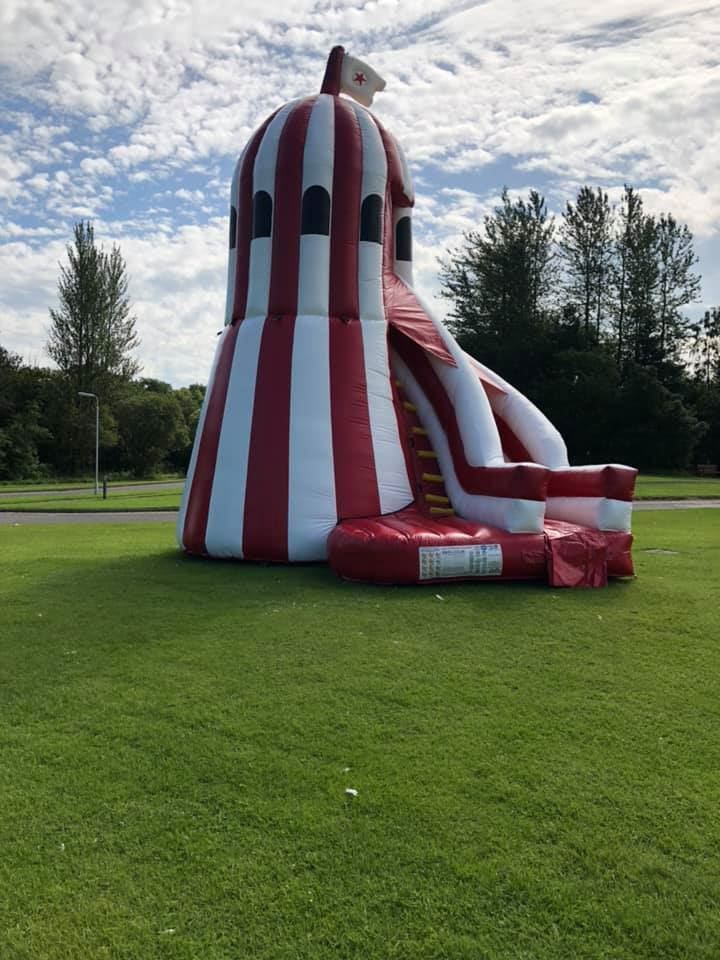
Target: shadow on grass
146,584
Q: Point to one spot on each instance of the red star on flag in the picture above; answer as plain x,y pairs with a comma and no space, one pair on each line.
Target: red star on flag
358,80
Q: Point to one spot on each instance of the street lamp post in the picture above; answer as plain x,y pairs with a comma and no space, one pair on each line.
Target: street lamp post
81,393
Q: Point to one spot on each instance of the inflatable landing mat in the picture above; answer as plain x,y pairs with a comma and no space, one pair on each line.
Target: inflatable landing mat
409,547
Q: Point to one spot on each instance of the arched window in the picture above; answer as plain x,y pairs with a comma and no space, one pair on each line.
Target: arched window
233,227
316,211
262,214
371,218
403,239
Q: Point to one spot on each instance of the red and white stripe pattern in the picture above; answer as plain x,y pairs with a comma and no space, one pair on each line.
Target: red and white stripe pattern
299,428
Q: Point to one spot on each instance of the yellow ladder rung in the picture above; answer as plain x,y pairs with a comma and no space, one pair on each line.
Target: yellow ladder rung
419,431
432,478
427,454
442,511
436,498
409,406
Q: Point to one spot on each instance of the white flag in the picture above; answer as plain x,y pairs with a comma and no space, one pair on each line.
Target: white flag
359,80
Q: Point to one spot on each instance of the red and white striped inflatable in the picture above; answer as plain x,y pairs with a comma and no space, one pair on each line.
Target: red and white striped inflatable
335,394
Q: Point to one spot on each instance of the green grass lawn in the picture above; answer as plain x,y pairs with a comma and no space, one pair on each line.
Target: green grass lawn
70,482
648,487
537,770
87,501
676,487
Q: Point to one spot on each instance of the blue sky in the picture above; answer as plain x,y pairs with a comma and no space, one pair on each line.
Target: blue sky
132,113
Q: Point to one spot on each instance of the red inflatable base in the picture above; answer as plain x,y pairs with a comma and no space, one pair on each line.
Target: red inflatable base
409,547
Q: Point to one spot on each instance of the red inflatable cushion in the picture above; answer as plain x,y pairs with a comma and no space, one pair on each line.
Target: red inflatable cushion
409,547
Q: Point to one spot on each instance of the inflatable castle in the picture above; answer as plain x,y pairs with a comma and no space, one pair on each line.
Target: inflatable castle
342,421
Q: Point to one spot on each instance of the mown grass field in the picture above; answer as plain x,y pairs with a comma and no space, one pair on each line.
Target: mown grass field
536,769
676,487
7,486
680,486
74,502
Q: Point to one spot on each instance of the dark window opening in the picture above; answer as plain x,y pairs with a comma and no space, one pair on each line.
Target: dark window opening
403,239
262,214
371,219
233,227
316,211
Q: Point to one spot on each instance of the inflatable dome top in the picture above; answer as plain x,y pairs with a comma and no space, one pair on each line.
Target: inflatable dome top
342,421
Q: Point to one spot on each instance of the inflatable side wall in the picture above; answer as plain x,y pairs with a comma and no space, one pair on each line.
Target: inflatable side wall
327,349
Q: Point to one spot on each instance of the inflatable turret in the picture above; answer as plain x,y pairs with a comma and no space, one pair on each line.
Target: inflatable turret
341,417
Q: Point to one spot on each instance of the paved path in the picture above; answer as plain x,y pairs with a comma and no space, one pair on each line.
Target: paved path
89,488
676,504
170,516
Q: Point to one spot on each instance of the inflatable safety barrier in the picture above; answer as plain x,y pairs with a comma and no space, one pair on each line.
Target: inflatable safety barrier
342,421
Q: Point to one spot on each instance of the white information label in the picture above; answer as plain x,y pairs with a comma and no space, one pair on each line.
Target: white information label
477,560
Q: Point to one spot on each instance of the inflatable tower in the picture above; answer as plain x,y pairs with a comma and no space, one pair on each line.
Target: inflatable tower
342,421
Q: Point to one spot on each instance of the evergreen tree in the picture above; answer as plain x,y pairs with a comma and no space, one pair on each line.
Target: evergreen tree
706,348
635,274
92,333
643,279
500,280
586,252
677,285
653,279
628,209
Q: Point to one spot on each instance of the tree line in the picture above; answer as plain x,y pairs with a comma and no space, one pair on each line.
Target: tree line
586,313
47,430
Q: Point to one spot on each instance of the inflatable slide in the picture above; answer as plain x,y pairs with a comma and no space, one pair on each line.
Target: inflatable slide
342,421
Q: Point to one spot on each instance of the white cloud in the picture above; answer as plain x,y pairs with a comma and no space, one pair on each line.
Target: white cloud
177,287
97,166
40,183
191,196
149,91
11,170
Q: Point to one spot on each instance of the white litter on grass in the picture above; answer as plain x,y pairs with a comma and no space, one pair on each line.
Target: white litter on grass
169,930
346,769
438,597
62,847
350,792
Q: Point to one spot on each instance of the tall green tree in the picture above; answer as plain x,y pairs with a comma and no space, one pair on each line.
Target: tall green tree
706,348
678,285
190,400
22,429
631,213
653,280
501,279
586,255
92,332
151,425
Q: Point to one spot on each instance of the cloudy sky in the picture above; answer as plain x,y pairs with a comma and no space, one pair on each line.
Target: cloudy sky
133,112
